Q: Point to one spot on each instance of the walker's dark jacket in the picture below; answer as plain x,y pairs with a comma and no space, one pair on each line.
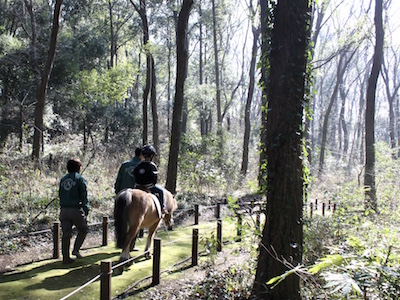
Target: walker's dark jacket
73,192
125,177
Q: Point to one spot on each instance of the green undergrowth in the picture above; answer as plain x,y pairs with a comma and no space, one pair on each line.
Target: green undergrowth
358,257
50,279
354,253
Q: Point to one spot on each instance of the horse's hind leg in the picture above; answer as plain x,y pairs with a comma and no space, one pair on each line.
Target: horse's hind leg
134,228
152,231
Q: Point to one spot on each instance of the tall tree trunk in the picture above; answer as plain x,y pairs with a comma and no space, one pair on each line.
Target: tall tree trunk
4,126
391,97
344,147
181,69
342,66
319,12
216,69
21,123
397,104
153,98
247,125
265,24
202,114
112,37
169,106
42,87
282,238
204,109
141,10
369,176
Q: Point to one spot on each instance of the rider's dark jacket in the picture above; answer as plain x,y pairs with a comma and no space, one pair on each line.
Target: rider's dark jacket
146,174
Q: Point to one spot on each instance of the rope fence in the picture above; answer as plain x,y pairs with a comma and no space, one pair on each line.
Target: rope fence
106,267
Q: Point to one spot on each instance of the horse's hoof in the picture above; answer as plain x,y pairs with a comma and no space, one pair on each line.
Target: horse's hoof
128,264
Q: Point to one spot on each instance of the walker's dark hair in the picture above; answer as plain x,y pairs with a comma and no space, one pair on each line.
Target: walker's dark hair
138,151
74,165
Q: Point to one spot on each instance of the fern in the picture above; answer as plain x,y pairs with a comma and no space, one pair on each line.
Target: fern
326,262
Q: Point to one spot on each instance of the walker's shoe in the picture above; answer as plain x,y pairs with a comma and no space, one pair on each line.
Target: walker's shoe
67,261
77,254
135,249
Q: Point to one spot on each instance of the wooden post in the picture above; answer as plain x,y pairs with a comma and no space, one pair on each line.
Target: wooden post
311,209
219,235
218,212
156,261
316,204
323,209
195,247
196,214
239,228
334,207
105,231
329,205
56,239
105,279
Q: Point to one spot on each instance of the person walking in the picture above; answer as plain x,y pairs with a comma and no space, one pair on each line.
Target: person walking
125,177
74,209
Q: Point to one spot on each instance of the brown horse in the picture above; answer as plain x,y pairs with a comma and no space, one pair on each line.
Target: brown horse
135,209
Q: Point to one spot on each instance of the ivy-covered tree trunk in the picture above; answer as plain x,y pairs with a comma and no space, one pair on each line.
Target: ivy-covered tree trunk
282,240
181,71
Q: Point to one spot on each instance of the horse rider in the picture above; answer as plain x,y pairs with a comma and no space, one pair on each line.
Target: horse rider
146,175
74,208
125,177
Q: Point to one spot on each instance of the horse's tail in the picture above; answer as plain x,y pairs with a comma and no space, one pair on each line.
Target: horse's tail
122,200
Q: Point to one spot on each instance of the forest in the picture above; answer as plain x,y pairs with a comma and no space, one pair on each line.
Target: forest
293,102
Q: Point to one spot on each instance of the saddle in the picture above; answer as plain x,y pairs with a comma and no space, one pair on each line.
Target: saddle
156,200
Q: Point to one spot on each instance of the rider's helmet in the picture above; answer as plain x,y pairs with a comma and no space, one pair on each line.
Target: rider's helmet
149,149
